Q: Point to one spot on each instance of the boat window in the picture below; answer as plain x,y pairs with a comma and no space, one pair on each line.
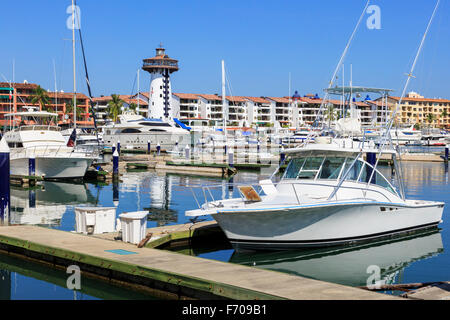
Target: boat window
155,124
331,168
159,130
130,130
310,168
293,168
362,172
377,178
354,171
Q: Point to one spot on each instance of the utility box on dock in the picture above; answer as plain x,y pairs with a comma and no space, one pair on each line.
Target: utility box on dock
134,226
95,220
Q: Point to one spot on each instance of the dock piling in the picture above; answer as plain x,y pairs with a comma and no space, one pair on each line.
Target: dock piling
187,151
4,182
32,168
115,164
231,158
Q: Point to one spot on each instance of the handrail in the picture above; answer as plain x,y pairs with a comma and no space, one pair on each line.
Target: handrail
293,183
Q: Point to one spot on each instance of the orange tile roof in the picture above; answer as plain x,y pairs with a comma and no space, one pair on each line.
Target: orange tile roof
258,100
236,99
210,96
186,95
67,95
421,99
280,100
19,85
311,101
379,103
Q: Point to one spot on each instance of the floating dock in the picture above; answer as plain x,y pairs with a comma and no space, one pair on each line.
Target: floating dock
167,274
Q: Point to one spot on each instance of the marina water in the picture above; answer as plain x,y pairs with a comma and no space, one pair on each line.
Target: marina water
422,257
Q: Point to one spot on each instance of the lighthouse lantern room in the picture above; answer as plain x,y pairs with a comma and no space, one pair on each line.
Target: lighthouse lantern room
160,67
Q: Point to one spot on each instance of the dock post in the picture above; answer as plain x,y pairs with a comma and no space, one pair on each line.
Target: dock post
148,146
118,146
158,149
231,158
282,156
4,182
446,153
187,152
113,149
115,165
32,168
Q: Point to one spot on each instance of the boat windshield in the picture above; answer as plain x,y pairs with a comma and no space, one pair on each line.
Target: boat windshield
333,168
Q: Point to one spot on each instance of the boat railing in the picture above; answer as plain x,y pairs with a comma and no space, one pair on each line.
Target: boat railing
38,128
210,201
53,151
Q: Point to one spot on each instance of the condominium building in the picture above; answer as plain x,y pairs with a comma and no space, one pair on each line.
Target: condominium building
416,109
14,97
140,101
260,111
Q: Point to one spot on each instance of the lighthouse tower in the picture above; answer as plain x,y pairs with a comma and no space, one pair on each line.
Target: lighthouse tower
160,67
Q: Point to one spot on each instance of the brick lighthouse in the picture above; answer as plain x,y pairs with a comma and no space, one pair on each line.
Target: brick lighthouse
160,67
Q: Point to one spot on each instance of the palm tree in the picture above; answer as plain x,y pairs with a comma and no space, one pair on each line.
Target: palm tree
70,109
133,106
430,118
40,97
330,114
115,107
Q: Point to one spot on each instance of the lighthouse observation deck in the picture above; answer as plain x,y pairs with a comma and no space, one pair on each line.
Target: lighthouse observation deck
160,62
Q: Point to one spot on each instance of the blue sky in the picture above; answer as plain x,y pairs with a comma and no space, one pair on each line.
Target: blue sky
260,41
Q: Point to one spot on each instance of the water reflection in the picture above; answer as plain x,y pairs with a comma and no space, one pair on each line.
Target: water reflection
46,204
348,265
23,280
164,195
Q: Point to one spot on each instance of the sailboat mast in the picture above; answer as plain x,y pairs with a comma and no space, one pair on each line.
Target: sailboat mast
225,112
73,65
138,90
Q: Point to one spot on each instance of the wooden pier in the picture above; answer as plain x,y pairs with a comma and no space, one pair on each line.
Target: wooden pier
168,274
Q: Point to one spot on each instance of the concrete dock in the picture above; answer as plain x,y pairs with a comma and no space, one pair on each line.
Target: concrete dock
170,275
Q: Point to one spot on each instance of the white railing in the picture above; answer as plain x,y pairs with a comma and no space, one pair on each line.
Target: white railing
210,202
60,151
38,128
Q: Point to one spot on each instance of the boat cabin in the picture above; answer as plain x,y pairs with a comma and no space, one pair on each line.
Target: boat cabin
332,166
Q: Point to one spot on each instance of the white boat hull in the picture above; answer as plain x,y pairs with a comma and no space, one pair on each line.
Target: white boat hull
167,141
324,225
52,167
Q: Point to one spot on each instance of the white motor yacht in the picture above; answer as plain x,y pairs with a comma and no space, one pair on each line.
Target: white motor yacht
41,140
85,141
134,132
406,135
328,195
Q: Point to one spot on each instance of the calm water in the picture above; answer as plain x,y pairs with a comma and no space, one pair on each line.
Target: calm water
418,258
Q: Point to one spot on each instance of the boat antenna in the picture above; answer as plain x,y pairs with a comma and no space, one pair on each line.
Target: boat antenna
341,60
225,114
387,135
